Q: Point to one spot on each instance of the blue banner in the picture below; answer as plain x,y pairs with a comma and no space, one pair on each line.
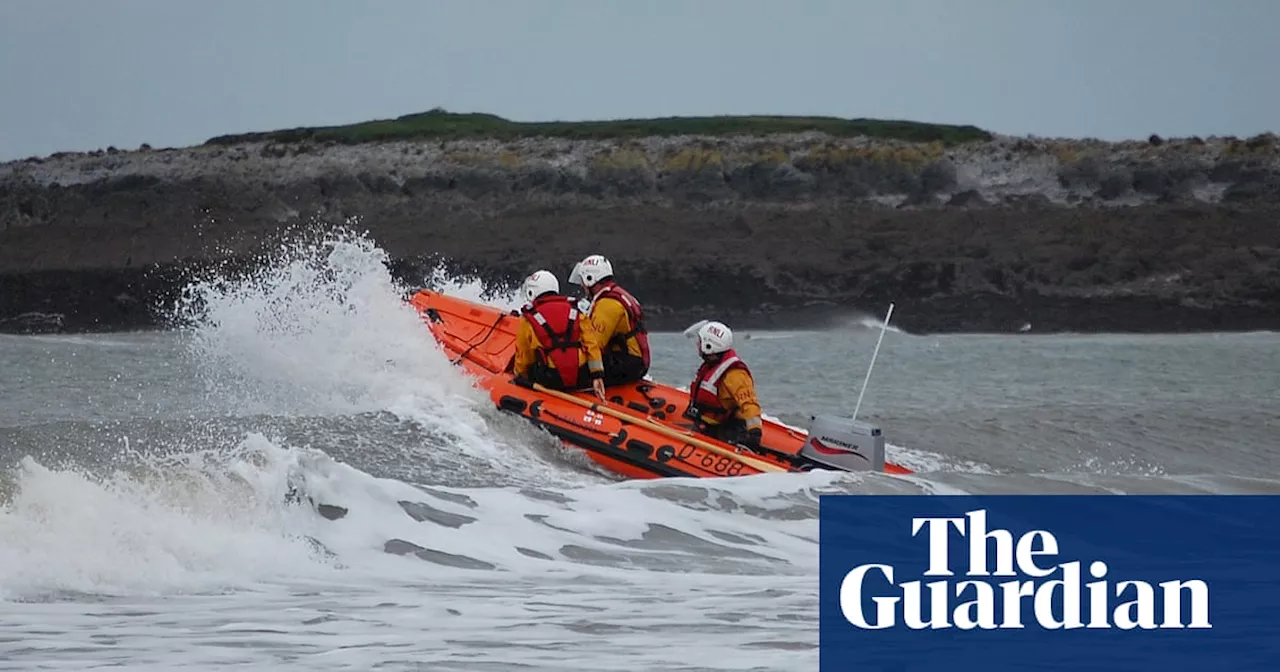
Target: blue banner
1071,582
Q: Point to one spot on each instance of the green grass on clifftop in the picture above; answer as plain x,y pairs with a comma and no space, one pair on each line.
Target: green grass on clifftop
441,125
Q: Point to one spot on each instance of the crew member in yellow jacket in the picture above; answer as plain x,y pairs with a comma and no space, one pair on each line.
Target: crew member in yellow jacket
551,344
617,323
722,397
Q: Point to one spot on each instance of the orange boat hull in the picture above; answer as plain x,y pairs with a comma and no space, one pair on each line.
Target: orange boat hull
481,339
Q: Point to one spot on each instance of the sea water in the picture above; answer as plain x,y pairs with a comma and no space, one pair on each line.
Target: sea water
143,522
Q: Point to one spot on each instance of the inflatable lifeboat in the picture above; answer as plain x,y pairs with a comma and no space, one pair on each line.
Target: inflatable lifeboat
640,432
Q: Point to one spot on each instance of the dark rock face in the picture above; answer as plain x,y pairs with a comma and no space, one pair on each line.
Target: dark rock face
1167,236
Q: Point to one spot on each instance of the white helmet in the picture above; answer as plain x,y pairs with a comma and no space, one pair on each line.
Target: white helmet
538,284
712,337
589,271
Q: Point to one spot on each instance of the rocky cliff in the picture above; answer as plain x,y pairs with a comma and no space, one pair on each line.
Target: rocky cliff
980,235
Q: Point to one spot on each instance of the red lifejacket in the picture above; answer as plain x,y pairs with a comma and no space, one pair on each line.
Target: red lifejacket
635,315
554,319
704,396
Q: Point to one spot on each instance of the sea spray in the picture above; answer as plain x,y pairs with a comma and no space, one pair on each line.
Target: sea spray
323,330
323,326
320,324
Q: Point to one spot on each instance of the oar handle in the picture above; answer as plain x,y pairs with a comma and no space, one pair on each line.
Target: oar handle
661,429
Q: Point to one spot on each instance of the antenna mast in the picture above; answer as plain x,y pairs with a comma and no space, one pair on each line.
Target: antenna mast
883,328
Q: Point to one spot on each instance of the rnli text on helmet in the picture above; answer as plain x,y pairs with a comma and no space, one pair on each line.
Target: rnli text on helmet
979,612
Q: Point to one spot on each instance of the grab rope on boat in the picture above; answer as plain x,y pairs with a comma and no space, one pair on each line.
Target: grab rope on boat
471,347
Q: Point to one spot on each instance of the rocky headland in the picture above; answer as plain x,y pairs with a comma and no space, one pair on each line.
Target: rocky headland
759,221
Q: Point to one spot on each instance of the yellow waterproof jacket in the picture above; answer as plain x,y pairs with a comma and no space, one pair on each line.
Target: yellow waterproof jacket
608,317
737,391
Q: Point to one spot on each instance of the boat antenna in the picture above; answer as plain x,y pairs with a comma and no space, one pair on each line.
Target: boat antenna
883,328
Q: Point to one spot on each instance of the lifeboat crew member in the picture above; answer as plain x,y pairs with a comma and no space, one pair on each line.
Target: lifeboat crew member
722,397
617,322
550,348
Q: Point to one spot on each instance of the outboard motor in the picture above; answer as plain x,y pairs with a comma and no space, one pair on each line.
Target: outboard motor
844,444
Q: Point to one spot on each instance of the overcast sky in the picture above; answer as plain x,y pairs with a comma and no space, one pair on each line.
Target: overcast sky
84,74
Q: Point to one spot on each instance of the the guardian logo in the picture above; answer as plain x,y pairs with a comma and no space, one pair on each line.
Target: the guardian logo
1055,603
